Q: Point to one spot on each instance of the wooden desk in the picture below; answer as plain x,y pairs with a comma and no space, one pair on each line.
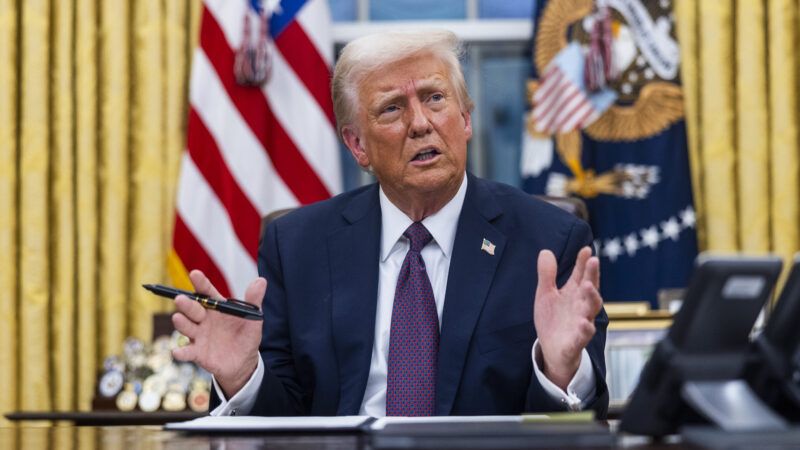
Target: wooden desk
155,438
106,418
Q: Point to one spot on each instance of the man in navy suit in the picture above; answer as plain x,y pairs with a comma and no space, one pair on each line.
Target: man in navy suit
495,311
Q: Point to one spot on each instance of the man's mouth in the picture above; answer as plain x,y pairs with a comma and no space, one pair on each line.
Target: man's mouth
426,155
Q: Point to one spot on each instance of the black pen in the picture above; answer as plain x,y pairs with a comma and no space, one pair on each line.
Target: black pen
229,306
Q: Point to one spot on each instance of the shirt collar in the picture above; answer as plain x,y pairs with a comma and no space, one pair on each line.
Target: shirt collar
442,224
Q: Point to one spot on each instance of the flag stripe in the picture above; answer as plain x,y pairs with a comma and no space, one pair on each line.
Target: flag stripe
298,113
244,155
212,227
229,17
551,98
295,171
252,150
568,108
190,250
578,117
549,90
549,79
207,158
315,18
568,92
302,56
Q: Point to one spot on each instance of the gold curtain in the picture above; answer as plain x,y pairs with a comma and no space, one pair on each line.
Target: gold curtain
741,83
93,102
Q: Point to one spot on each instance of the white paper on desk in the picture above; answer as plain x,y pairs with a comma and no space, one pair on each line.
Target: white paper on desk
257,423
381,423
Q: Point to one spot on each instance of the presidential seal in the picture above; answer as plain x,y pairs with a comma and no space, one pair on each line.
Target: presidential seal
610,69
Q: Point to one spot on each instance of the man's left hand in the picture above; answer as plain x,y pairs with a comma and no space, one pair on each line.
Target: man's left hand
564,318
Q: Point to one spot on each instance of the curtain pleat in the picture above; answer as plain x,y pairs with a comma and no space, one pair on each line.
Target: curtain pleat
717,123
87,205
177,54
752,118
9,16
783,60
114,172
687,30
62,198
195,12
34,185
147,166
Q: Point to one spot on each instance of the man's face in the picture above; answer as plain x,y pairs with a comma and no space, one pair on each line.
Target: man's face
409,127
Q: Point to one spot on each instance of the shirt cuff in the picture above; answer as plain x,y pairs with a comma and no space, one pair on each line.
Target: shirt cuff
242,402
580,390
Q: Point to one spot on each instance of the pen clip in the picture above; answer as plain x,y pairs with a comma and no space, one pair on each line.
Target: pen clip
243,304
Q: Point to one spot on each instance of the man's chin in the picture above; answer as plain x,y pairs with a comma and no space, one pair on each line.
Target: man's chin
433,182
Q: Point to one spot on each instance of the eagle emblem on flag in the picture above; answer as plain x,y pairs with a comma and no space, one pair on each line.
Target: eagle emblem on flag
253,61
614,78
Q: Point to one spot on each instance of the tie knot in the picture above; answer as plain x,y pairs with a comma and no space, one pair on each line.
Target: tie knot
418,235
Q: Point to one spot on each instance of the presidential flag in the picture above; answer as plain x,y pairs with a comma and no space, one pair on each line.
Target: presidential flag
614,135
261,133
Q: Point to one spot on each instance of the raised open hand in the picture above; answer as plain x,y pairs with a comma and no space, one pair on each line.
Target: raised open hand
225,345
564,318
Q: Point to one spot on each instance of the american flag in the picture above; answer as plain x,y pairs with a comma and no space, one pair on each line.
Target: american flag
561,103
253,150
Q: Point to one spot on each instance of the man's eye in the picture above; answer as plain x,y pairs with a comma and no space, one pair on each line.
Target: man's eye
390,109
437,97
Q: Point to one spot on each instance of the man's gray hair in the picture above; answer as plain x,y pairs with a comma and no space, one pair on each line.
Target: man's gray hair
368,53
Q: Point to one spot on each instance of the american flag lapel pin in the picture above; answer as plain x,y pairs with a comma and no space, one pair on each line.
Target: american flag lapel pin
487,247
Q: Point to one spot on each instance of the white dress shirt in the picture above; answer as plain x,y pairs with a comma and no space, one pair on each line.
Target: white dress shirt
394,246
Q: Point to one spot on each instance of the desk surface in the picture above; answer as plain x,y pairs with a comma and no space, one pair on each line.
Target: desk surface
35,437
103,418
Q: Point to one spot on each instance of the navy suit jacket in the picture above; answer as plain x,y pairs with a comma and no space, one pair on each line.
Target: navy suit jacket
321,263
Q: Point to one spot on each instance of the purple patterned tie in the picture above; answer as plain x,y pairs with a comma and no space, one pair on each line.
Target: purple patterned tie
414,335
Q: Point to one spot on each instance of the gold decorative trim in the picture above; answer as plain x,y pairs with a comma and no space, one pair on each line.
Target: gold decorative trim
569,148
660,104
551,36
639,325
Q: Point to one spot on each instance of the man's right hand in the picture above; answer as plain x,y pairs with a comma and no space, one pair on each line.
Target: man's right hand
225,345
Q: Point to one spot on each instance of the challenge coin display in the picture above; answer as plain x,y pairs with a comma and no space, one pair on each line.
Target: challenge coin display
155,383
144,375
149,401
174,401
111,383
198,401
126,400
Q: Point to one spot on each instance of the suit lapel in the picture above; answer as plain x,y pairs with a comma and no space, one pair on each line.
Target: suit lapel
471,272
354,255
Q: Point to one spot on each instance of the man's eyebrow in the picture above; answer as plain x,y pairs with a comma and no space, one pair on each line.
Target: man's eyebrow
386,97
432,83
392,94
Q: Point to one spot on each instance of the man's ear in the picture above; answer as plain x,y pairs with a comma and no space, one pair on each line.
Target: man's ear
467,123
353,142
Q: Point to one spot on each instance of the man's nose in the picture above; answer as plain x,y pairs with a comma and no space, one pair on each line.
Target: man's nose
419,123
